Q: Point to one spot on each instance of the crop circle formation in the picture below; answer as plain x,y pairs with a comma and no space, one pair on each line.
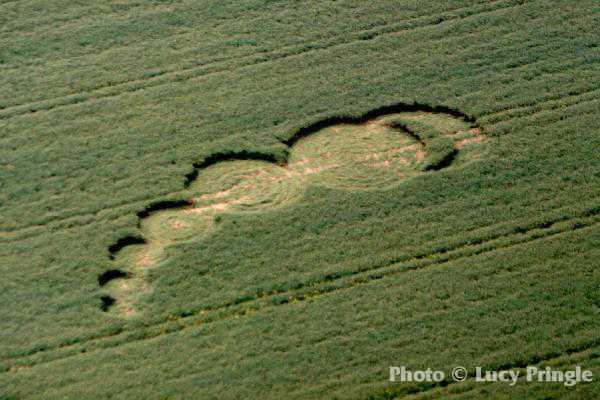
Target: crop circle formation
371,154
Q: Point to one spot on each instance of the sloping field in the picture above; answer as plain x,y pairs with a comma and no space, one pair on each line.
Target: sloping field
275,199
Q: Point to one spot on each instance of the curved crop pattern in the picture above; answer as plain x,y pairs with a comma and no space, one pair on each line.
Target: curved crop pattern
370,153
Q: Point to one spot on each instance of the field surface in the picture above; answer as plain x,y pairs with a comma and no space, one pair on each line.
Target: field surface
281,199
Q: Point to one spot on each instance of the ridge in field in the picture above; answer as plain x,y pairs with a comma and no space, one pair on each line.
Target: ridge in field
373,152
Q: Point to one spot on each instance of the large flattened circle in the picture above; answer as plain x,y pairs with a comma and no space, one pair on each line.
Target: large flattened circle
356,156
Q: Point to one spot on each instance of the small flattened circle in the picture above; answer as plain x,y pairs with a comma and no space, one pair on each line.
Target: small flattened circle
244,185
176,225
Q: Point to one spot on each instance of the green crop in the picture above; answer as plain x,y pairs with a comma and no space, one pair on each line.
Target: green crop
279,199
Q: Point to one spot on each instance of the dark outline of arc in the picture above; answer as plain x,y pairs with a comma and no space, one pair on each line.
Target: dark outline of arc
372,114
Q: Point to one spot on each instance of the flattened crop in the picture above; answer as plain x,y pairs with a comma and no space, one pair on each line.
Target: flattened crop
369,154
